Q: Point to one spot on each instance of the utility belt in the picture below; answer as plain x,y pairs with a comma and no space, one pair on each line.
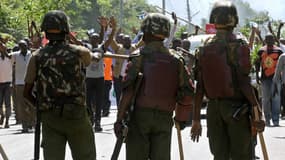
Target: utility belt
67,111
62,106
228,99
240,106
153,110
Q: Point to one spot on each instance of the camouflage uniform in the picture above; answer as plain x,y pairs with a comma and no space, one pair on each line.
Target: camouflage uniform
165,87
60,84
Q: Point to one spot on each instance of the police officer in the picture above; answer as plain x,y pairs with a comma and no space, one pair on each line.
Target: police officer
60,86
222,76
165,87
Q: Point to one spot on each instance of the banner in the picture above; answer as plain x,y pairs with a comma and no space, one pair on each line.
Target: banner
210,29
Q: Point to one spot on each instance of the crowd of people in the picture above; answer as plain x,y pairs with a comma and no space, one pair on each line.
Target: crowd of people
70,80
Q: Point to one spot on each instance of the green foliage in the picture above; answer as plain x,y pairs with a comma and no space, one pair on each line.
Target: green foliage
15,15
253,55
245,31
180,30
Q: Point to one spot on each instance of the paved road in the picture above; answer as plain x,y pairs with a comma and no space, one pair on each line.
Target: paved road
19,146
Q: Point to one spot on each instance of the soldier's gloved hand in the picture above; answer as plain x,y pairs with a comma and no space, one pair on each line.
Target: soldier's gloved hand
118,128
181,124
196,131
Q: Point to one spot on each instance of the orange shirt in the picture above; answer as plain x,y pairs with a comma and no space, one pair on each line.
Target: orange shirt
108,69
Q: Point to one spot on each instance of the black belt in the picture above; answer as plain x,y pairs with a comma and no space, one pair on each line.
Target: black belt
149,109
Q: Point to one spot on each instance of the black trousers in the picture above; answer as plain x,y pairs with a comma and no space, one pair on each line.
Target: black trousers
118,88
94,97
107,101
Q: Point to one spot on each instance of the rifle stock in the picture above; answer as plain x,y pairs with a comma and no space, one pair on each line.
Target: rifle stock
119,143
121,140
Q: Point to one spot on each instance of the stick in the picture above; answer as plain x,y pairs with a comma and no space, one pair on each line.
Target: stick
182,19
3,154
179,141
260,135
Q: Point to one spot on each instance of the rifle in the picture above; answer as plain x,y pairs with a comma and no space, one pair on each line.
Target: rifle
37,137
121,140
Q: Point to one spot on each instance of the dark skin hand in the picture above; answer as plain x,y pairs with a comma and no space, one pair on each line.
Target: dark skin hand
28,93
3,50
196,131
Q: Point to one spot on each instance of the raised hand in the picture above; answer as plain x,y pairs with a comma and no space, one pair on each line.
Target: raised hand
103,21
173,14
112,22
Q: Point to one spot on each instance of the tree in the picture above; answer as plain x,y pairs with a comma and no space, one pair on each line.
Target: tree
15,15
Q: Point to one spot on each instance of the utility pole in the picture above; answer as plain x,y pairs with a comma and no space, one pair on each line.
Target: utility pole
121,13
189,15
163,7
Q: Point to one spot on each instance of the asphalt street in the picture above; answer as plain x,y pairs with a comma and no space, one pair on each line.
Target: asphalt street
19,146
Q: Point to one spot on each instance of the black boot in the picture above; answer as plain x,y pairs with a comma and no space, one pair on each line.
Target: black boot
1,119
7,123
105,113
98,127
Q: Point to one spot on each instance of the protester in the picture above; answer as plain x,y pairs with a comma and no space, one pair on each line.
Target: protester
5,82
267,60
24,113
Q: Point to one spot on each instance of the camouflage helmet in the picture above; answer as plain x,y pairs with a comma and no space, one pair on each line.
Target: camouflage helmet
157,25
55,22
224,15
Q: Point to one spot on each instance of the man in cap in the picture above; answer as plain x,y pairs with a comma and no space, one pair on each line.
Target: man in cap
23,112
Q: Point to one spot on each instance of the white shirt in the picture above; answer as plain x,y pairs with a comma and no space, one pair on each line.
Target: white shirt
5,70
124,65
21,63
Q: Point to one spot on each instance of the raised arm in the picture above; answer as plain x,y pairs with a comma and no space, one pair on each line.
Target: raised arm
113,25
279,30
251,37
103,21
274,35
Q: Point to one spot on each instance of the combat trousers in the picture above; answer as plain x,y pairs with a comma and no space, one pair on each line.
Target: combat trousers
228,138
72,126
149,136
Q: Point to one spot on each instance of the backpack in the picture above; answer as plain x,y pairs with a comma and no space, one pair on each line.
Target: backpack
60,79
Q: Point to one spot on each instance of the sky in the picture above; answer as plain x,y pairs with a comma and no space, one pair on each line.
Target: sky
276,8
